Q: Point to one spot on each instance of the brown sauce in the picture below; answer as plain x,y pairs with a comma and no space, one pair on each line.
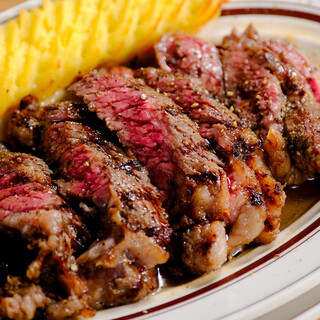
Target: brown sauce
299,200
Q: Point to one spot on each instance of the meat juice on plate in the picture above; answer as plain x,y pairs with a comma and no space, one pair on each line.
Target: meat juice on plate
299,200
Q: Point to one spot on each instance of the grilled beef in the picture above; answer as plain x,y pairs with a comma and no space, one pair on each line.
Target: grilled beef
299,115
189,93
135,229
30,207
238,147
298,61
21,300
24,127
194,56
113,189
257,98
193,185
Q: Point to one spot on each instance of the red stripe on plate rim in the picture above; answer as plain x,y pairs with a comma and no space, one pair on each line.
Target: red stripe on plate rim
271,11
303,234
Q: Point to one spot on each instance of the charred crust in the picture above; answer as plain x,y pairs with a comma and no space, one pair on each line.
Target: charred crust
126,168
170,183
278,188
206,177
271,223
29,102
171,110
236,153
256,198
134,163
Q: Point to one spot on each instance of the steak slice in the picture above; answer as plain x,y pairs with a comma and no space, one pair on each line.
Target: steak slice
257,98
289,54
24,131
104,180
191,55
301,112
115,191
292,154
193,184
234,144
189,93
30,206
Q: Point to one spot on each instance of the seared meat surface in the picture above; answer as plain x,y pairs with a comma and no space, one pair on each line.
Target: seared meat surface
193,185
135,231
301,113
240,147
109,187
30,207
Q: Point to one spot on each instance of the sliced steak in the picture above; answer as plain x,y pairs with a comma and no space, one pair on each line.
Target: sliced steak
294,157
193,185
24,126
115,195
194,56
292,56
188,92
257,98
251,180
30,206
279,160
234,144
103,178
301,112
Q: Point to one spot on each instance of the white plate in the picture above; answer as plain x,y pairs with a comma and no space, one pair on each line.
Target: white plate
268,276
